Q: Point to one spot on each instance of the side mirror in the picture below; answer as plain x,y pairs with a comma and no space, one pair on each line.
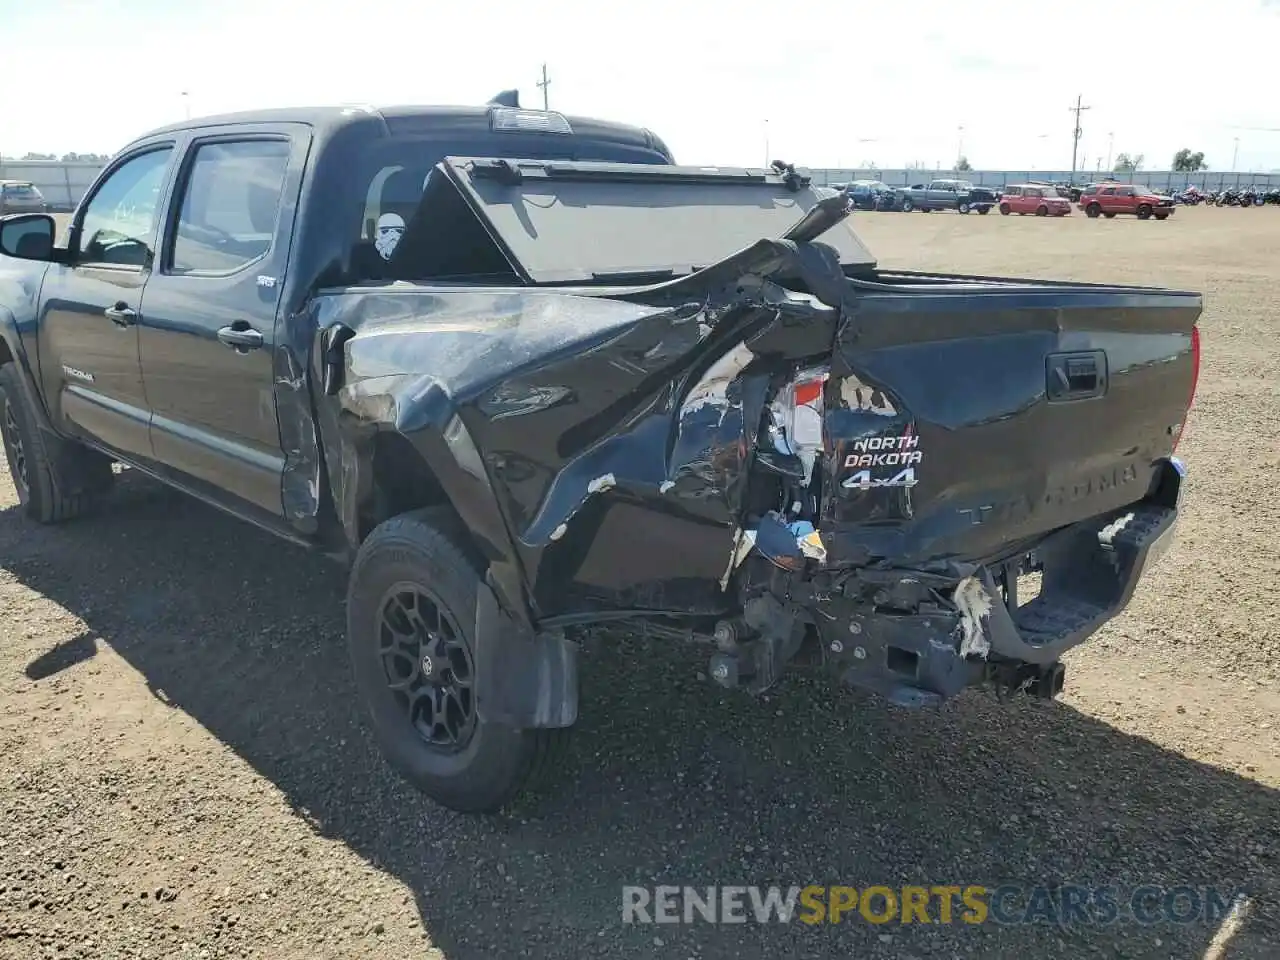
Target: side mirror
27,236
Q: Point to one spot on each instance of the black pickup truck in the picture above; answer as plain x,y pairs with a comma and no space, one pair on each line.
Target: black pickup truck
526,375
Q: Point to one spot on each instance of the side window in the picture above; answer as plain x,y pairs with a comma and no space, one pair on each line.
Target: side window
230,201
1034,192
1013,191
119,223
1107,191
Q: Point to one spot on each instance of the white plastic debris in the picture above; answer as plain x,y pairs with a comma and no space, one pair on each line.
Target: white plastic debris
974,603
601,484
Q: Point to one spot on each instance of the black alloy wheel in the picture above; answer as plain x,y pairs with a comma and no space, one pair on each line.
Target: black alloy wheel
15,452
428,666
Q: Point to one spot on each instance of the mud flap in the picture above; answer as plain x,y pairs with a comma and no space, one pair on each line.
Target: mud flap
523,679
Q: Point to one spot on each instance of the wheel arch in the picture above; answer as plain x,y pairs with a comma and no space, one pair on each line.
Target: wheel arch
12,351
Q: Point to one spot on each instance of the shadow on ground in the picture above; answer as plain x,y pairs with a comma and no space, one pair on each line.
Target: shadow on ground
668,781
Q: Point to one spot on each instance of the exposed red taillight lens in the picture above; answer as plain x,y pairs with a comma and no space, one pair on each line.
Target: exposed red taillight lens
1195,363
807,392
1195,381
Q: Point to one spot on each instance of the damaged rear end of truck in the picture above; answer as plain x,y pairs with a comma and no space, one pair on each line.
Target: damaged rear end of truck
690,395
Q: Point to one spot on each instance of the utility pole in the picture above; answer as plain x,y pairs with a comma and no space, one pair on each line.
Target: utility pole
1235,154
1111,142
1075,133
186,104
767,161
544,83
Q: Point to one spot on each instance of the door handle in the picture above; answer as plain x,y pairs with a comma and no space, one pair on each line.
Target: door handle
240,337
121,314
1078,376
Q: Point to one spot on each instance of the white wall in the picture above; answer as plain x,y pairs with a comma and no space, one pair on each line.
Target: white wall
61,183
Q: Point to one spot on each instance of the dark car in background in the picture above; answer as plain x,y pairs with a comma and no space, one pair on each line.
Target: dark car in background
21,196
875,195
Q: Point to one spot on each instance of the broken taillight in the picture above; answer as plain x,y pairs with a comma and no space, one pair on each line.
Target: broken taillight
797,417
1195,382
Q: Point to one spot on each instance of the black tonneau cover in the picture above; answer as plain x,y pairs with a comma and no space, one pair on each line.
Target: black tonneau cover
578,222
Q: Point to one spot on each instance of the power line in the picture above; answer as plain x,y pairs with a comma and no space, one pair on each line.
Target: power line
1075,134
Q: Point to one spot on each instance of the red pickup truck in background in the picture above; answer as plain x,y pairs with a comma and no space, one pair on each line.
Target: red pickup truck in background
1142,202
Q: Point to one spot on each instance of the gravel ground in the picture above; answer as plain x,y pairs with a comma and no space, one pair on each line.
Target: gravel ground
184,771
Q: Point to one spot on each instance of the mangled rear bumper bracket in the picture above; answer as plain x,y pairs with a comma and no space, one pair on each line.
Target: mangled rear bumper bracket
919,656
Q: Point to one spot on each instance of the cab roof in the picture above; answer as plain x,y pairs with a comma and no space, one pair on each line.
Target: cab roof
412,119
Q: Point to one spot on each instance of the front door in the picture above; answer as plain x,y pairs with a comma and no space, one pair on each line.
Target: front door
208,333
91,308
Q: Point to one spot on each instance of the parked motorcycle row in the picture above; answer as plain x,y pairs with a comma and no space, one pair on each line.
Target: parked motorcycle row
1246,197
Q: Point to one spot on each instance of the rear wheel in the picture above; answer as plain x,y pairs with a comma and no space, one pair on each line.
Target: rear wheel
56,479
1004,209
1092,210
983,211
411,637
1109,216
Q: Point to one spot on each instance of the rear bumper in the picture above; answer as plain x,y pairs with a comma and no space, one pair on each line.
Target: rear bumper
1089,572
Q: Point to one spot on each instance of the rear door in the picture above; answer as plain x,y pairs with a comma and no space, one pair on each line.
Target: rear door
91,306
209,319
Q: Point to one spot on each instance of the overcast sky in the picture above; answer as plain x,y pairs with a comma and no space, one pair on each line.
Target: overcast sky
832,83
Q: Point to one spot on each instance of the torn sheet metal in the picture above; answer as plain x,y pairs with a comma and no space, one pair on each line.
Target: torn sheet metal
712,389
865,398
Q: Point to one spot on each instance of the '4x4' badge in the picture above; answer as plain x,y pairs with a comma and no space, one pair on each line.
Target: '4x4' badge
863,480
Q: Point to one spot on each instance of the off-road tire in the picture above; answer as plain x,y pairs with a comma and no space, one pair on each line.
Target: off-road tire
56,479
428,548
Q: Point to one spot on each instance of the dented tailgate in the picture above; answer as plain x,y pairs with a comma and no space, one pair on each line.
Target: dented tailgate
962,422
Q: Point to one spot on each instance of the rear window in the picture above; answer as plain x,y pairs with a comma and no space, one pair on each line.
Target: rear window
393,173
23,191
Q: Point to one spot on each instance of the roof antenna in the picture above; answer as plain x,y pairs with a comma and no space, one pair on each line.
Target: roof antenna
507,98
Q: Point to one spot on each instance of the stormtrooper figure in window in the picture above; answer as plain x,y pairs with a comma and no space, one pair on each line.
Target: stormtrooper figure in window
390,230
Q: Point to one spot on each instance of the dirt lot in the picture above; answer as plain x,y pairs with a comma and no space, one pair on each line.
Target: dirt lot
184,771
